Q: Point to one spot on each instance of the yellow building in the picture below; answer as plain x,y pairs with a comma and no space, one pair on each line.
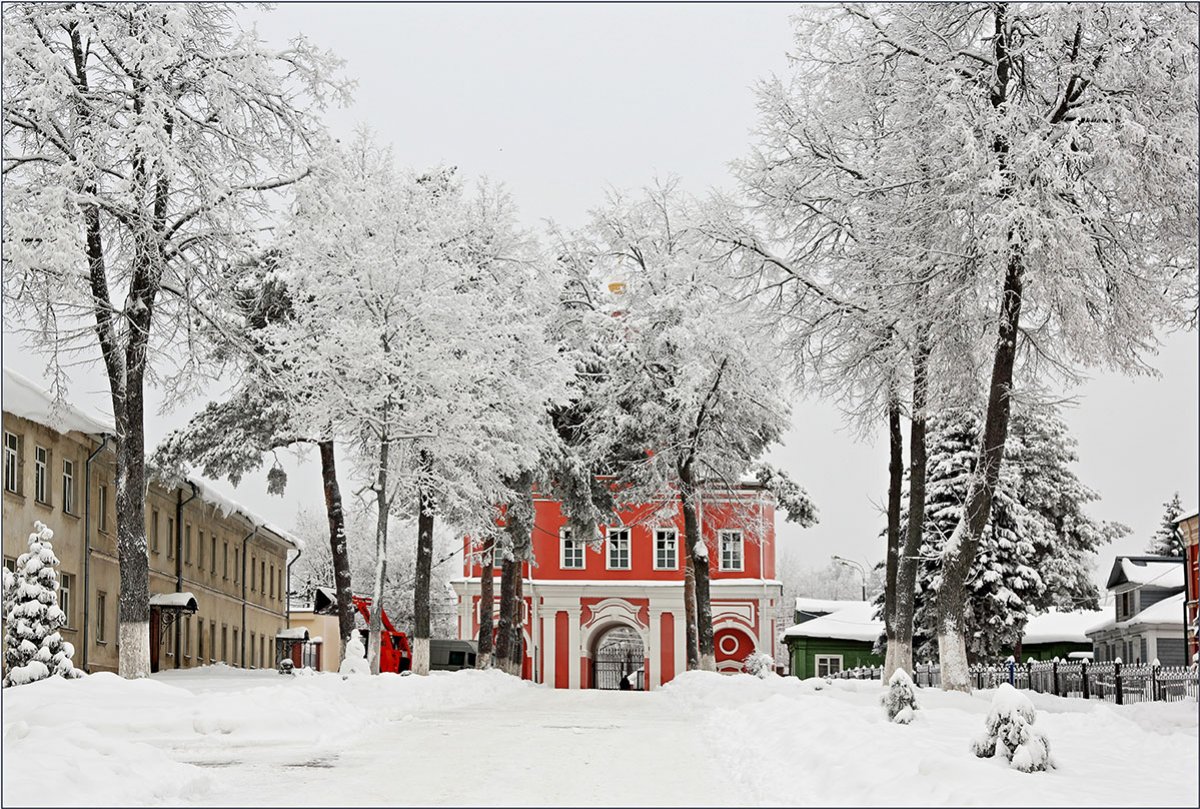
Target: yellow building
206,552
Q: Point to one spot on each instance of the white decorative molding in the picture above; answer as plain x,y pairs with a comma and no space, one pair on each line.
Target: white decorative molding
614,609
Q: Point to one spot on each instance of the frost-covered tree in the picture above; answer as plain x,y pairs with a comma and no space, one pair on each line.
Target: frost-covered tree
900,701
1167,540
1038,549
418,331
760,664
33,647
1063,161
1009,732
692,395
141,144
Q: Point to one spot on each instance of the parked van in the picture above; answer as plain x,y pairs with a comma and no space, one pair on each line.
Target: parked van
451,655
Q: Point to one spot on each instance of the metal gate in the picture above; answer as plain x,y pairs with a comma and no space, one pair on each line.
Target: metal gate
619,658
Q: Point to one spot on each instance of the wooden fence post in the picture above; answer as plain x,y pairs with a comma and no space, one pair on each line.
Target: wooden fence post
1117,678
1054,677
1154,679
1083,678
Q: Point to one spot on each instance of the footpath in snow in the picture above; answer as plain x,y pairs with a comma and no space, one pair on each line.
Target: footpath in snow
223,737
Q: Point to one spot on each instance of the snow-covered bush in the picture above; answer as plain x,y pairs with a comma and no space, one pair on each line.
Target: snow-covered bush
901,698
760,664
33,648
355,661
1010,733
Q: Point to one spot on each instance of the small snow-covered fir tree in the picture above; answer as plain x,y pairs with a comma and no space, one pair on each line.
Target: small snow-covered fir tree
1167,541
33,648
900,701
760,664
1010,733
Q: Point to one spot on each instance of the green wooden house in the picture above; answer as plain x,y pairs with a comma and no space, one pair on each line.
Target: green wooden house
831,636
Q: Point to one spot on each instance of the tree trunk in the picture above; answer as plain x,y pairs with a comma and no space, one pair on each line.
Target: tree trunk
339,551
375,626
420,649
895,484
504,634
906,573
689,603
134,603
959,552
516,661
487,600
706,657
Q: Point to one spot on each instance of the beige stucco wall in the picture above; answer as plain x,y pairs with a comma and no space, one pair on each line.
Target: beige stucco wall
324,627
215,632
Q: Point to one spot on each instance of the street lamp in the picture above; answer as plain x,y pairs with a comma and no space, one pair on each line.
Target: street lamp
861,571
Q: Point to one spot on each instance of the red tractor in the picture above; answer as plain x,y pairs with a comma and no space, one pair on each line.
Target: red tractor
395,655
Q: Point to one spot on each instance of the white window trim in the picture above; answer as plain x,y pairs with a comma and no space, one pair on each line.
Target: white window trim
675,533
721,535
43,466
819,659
608,549
66,585
13,452
564,536
68,493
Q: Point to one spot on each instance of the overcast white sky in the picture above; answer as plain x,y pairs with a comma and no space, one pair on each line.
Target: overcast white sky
560,101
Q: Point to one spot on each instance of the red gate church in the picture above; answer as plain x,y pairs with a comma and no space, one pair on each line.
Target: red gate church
596,612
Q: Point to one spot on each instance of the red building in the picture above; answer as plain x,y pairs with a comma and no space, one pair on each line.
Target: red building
1189,531
601,609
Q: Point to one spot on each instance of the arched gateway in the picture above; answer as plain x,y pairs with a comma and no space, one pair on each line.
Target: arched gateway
619,656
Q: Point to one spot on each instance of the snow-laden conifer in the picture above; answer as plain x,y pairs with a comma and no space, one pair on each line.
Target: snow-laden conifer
901,698
1167,540
1009,732
33,647
760,664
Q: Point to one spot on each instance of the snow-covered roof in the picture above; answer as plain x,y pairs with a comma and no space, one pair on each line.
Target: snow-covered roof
821,606
179,601
227,505
293,633
27,399
1061,627
853,621
1190,515
1167,611
1147,571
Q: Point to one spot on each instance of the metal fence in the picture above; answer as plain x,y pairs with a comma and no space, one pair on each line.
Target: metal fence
1116,682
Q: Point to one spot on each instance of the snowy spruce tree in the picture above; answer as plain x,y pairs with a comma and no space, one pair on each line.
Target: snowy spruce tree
33,648
1167,541
1009,732
900,701
760,664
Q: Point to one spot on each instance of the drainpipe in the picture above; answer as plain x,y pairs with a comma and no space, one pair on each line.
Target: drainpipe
179,504
245,539
87,543
287,594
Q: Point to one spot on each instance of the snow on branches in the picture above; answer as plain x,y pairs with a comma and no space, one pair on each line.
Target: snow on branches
901,698
33,648
1010,733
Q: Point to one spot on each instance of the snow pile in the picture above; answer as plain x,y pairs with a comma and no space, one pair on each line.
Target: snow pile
901,698
760,664
1010,733
355,661
33,647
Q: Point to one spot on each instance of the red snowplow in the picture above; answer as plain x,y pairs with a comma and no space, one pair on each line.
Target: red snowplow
395,655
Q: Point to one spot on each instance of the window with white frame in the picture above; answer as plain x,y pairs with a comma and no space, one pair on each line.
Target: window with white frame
731,550
572,557
66,583
102,507
68,486
12,462
41,460
666,549
828,665
618,549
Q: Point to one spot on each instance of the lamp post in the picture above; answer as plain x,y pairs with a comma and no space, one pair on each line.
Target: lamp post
861,571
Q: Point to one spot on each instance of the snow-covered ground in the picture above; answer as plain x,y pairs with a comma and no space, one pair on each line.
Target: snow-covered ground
219,736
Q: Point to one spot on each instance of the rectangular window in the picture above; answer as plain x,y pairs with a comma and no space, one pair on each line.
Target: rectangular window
102,507
101,602
187,544
66,583
666,549
253,638
12,463
262,577
41,459
236,649
618,549
225,561
253,568
262,650
828,665
200,550
68,482
212,645
237,570
731,550
212,556
10,564
572,552
272,581
187,637
281,592
154,530
170,537
224,643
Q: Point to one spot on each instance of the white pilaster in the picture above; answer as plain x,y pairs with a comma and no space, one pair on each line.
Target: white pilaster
549,639
574,651
680,624
654,647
